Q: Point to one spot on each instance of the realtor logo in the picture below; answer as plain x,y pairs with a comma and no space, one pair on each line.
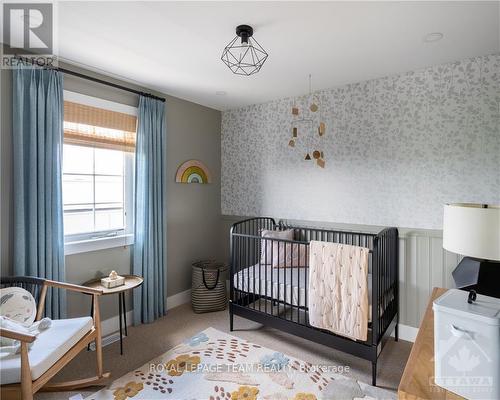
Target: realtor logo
27,28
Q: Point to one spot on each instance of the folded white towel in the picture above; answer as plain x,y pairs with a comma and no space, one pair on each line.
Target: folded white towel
14,346
36,327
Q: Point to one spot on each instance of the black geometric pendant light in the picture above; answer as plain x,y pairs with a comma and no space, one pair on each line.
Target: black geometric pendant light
245,56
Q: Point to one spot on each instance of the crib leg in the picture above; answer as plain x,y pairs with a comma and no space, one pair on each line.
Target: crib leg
230,319
396,332
374,373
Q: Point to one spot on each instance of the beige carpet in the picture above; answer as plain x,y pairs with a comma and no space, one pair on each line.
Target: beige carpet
146,342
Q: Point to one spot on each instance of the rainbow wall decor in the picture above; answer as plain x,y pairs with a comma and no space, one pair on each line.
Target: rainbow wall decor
193,171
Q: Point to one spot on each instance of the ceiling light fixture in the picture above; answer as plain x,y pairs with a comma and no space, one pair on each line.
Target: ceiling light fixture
245,56
433,37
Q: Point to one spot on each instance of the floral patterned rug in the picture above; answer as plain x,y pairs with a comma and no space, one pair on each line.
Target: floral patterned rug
213,365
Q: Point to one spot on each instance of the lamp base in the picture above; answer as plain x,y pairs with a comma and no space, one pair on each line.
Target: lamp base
479,275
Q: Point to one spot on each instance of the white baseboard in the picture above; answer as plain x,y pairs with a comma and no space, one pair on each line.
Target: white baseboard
112,325
179,299
107,340
408,333
110,330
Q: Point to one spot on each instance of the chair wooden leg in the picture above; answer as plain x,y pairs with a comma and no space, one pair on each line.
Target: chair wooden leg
26,384
98,339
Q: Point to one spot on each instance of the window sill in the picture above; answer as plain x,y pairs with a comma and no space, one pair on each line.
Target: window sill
85,246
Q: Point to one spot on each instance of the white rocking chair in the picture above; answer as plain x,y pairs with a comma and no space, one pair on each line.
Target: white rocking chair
30,371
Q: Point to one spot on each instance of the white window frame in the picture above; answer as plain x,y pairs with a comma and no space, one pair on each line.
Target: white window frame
86,242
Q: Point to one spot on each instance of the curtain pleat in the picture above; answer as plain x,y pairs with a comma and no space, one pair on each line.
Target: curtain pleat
37,141
150,211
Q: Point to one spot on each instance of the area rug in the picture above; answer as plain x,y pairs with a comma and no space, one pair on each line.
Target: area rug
213,365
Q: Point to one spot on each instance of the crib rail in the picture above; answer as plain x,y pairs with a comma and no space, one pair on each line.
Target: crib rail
282,291
269,281
253,226
385,282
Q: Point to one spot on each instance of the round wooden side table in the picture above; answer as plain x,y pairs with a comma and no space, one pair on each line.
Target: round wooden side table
131,282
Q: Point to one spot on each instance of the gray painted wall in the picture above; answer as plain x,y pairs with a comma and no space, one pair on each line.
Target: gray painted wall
193,131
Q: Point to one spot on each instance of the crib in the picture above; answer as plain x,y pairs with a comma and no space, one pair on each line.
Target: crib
277,297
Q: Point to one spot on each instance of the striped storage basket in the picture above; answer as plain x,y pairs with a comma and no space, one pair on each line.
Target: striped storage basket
208,292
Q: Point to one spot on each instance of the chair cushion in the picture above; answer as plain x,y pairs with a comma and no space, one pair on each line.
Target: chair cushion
49,346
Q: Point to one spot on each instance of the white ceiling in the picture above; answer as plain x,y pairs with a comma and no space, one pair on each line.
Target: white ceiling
175,47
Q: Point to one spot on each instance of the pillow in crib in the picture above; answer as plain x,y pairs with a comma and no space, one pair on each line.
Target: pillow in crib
283,254
293,255
18,305
269,248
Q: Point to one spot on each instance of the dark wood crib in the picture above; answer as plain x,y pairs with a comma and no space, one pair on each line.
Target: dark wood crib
277,297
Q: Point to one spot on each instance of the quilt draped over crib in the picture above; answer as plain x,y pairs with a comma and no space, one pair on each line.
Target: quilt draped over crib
338,289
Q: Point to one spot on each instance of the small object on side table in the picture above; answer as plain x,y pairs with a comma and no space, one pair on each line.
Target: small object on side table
130,282
113,280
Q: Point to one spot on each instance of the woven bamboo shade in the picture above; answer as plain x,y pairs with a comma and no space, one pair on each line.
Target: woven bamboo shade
96,127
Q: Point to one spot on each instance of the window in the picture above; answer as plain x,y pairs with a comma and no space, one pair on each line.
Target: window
98,170
94,190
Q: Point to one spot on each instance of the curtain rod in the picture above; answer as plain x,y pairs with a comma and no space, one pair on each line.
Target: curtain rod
92,79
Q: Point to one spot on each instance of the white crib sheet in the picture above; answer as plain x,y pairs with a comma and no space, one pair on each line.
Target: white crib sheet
292,283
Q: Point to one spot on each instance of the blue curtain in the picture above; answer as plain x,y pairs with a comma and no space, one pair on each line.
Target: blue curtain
150,215
37,151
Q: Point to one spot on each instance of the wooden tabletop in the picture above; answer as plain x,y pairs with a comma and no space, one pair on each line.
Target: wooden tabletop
131,282
417,382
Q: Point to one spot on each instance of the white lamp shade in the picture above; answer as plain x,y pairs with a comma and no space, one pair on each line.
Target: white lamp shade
472,230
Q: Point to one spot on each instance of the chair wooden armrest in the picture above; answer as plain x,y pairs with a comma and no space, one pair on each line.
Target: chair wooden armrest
22,337
73,287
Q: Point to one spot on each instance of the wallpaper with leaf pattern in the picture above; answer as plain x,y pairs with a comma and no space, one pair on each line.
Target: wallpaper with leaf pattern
396,150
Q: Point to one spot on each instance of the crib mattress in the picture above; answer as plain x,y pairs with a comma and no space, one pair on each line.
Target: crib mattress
283,284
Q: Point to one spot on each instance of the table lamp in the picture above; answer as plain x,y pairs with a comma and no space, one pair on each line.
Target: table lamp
473,230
